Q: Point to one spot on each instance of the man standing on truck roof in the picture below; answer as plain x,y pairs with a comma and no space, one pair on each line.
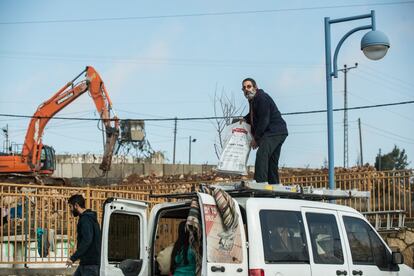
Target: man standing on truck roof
89,238
268,129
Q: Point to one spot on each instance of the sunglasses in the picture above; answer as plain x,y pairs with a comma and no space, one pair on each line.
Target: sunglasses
247,86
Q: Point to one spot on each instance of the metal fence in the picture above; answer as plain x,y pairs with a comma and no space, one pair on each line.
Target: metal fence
37,229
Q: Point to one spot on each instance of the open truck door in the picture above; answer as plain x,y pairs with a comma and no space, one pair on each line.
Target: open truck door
224,251
124,238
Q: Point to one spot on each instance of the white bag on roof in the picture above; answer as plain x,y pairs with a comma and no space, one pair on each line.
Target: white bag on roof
236,149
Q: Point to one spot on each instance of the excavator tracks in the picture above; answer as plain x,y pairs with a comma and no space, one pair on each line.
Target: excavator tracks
34,179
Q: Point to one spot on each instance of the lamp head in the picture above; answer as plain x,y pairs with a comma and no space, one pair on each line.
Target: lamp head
375,45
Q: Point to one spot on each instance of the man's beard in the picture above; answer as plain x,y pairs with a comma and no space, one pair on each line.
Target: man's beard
250,95
75,213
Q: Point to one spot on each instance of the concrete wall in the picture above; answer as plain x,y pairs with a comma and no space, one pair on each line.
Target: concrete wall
193,169
154,169
68,170
119,171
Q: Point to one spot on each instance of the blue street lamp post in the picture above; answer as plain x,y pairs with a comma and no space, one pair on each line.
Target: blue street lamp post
374,44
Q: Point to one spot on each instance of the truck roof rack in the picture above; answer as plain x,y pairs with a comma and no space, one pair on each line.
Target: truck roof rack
253,189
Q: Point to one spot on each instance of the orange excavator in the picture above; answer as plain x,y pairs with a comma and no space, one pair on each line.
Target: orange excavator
37,161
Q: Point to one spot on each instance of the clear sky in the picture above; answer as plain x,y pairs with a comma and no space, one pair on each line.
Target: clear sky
167,58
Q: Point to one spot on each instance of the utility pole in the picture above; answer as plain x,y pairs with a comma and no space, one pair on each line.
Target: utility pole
361,157
175,138
379,160
189,149
6,135
345,71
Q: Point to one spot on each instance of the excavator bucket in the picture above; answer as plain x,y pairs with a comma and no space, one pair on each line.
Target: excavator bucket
112,135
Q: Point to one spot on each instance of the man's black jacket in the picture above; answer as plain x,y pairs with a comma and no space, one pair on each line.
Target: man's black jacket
89,239
264,117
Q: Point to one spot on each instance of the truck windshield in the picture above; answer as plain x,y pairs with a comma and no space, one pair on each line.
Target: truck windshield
283,237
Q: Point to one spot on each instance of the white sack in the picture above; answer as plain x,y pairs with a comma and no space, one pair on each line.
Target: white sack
164,259
236,149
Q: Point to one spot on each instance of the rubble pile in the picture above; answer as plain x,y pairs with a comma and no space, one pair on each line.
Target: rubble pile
135,179
287,172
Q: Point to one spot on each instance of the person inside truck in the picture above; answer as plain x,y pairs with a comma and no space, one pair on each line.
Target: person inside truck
183,260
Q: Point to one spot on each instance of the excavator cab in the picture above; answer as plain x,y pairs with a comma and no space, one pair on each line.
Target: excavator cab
48,160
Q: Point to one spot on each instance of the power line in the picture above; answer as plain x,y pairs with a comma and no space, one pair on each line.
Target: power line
314,131
389,75
381,81
388,132
76,125
70,137
208,118
157,61
315,124
205,14
390,111
387,80
393,138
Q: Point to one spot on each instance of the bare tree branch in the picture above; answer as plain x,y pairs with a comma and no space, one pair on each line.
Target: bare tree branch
224,106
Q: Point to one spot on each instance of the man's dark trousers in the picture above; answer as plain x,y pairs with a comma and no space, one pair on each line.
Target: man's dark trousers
267,159
87,270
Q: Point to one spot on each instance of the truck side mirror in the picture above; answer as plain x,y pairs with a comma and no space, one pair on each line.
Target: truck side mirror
397,258
131,267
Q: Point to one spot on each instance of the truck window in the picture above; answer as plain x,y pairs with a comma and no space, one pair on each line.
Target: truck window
283,237
123,237
366,247
325,239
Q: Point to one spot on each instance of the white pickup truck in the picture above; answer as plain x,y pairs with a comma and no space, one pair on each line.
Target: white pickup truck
274,236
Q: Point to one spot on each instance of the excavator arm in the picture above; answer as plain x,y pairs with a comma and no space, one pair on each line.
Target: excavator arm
103,104
32,148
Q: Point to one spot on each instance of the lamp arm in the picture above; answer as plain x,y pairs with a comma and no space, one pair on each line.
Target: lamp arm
335,59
